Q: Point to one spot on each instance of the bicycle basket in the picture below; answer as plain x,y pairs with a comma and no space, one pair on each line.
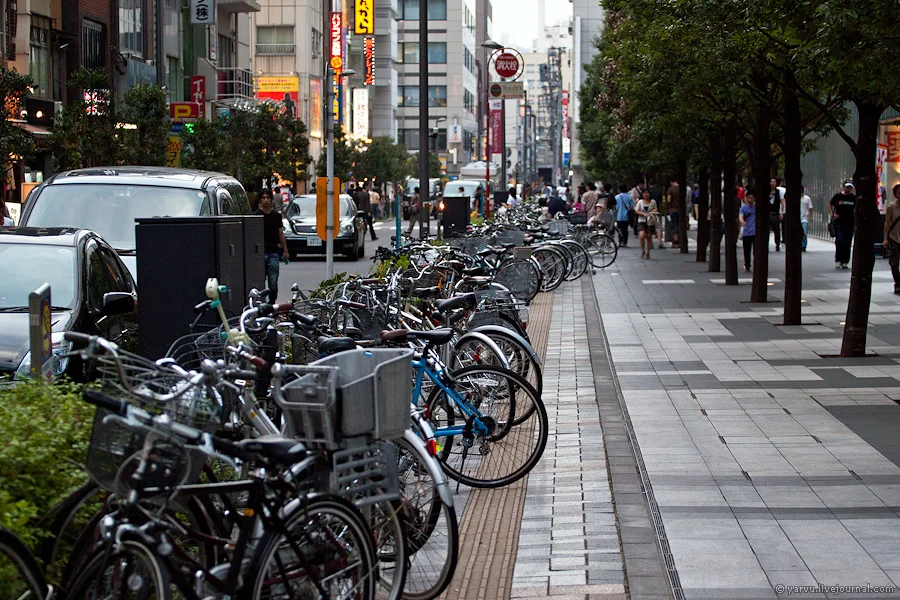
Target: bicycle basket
189,351
349,394
368,474
558,226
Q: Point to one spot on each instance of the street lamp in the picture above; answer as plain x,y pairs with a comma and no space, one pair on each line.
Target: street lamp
496,47
329,168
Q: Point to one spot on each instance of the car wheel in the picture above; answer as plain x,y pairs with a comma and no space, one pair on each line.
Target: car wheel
351,254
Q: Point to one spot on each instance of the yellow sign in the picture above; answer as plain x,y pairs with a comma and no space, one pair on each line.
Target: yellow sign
336,63
278,84
173,151
365,17
322,206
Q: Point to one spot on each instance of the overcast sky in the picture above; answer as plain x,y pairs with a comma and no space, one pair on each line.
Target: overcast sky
518,19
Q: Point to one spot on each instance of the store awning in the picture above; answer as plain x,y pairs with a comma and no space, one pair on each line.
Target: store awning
33,129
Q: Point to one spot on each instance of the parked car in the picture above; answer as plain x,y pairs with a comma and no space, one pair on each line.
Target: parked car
108,200
300,228
469,187
91,291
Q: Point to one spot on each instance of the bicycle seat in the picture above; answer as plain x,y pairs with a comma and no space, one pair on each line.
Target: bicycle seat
429,292
473,271
274,449
508,246
485,251
333,345
435,336
352,332
463,301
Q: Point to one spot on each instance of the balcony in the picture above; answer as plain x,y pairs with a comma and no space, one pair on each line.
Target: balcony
237,6
234,83
275,49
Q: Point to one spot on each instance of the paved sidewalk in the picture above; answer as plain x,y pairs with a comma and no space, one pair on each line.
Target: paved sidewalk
771,462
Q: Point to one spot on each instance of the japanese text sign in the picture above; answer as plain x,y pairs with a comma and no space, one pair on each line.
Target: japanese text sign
203,12
893,145
369,52
365,17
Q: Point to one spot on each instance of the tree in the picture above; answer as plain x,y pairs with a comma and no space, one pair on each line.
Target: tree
291,161
345,156
434,165
383,160
146,107
208,147
84,133
14,141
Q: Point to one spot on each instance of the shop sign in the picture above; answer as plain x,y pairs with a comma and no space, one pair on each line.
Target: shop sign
203,12
369,53
365,17
893,145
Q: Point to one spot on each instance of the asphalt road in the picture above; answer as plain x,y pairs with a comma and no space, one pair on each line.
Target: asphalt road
308,271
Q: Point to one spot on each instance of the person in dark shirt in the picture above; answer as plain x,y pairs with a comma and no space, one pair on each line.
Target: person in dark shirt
843,206
776,211
364,204
557,204
274,244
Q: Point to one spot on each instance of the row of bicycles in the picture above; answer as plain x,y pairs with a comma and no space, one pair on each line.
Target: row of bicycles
307,449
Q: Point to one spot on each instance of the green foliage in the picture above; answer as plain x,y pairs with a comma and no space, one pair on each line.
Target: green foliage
45,430
80,139
383,161
326,285
208,147
13,139
434,165
345,157
145,106
400,263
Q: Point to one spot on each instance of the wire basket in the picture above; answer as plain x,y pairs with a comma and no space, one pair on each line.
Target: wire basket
189,351
368,474
558,227
350,394
367,323
511,236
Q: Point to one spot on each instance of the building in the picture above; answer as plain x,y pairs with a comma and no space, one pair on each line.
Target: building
452,81
586,27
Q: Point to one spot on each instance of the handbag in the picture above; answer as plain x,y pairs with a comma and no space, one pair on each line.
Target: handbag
831,228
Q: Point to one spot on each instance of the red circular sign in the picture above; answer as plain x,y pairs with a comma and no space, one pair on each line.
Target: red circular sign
507,65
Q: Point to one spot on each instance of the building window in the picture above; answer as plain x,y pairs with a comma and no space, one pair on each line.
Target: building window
225,52
131,26
437,140
316,41
469,60
93,45
174,80
437,10
277,40
437,95
469,101
437,53
409,138
408,95
39,69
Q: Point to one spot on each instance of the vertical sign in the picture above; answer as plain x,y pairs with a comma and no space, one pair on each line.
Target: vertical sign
369,53
315,108
336,44
198,92
203,12
361,112
880,159
365,17
565,113
893,146
40,322
496,127
213,33
173,151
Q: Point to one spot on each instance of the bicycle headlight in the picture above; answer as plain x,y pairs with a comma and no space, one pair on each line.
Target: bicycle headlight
59,361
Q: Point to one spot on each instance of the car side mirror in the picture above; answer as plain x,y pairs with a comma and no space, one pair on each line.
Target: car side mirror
118,303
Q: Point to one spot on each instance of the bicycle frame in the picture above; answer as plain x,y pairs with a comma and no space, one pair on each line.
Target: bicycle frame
423,370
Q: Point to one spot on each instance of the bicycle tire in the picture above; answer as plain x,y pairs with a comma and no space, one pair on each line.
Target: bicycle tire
122,563
350,536
605,250
521,277
431,526
523,360
391,548
532,433
567,254
552,265
580,259
60,531
476,349
31,584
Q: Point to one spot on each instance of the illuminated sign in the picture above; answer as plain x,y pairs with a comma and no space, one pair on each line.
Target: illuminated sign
365,17
336,60
184,110
315,108
361,112
565,113
369,52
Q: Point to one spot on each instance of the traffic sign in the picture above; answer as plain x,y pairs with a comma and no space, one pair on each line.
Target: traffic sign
322,207
508,90
507,65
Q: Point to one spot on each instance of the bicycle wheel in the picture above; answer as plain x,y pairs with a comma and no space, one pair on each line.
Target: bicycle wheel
391,548
523,360
521,277
507,452
131,572
20,574
70,517
580,259
476,350
603,250
567,254
553,267
324,551
429,524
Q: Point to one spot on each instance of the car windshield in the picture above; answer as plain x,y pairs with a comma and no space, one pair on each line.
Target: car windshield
25,267
305,207
111,209
452,188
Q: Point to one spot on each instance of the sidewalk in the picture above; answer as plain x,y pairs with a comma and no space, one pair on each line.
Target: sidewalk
770,461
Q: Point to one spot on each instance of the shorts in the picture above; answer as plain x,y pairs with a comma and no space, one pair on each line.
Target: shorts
650,229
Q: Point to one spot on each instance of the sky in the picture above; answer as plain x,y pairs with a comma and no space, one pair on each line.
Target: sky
518,19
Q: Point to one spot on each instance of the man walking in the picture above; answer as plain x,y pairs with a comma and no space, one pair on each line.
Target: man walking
747,217
589,200
364,204
843,207
806,208
776,211
624,204
892,236
273,237
672,202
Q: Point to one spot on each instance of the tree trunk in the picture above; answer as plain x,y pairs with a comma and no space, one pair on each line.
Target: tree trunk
729,172
793,177
702,216
715,203
865,181
682,206
761,162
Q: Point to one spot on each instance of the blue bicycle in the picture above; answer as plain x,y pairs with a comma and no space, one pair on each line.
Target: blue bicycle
482,439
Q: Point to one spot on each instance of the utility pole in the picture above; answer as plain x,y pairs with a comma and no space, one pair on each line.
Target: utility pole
329,172
424,184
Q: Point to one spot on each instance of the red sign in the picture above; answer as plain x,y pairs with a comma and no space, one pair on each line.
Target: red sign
369,52
336,38
507,65
565,113
496,128
198,91
893,145
180,111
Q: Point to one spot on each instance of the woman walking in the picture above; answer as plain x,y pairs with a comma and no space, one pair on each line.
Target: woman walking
747,216
648,216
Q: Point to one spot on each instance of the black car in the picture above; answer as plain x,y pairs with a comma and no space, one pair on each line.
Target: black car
91,291
108,200
300,228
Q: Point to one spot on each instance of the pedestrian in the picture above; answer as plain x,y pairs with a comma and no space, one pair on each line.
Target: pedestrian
806,208
747,217
513,201
590,199
892,236
557,204
414,207
648,217
776,211
657,196
273,239
364,204
479,199
624,206
843,206
375,202
673,202
636,193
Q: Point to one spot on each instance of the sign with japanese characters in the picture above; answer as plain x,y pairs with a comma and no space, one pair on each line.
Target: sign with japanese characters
315,108
893,145
203,12
565,113
173,151
198,92
365,17
336,60
496,118
369,53
361,112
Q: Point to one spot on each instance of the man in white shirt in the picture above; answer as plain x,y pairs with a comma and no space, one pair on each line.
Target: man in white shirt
806,208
